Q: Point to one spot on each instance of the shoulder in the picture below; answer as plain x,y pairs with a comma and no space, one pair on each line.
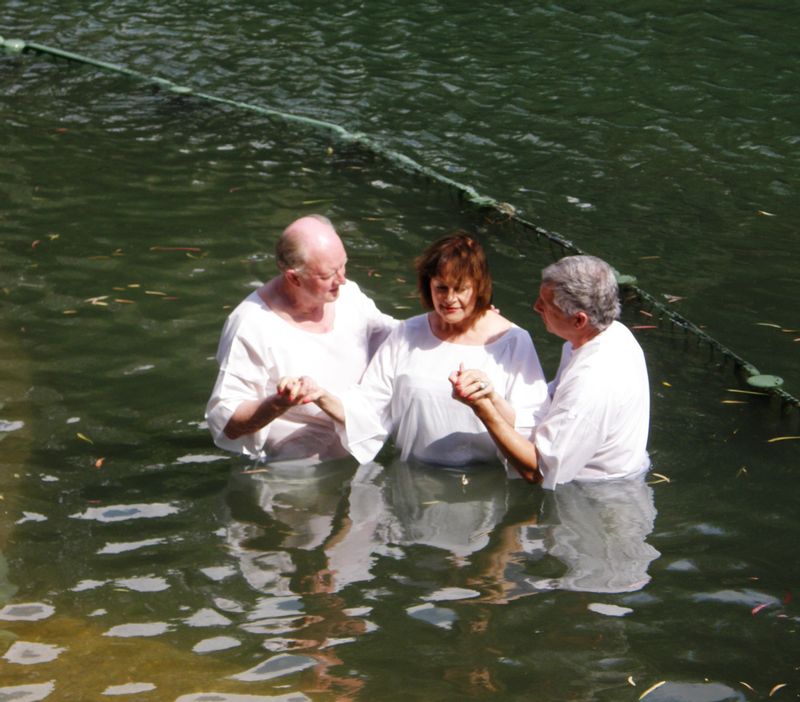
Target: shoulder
243,316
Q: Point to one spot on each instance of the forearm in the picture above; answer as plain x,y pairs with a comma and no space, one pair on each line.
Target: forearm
332,406
252,415
520,452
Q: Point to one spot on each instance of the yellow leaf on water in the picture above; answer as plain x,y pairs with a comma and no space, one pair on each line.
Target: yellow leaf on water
746,392
781,438
630,681
83,437
734,402
664,478
776,688
749,687
651,688
154,292
666,384
765,213
768,324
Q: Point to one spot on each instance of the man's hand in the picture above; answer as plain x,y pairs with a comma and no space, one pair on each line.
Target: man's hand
297,391
470,386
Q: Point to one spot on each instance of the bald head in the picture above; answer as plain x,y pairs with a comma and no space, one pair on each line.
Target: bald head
306,238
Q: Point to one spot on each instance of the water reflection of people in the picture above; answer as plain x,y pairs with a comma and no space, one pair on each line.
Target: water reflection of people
405,391
598,531
408,504
307,320
597,424
282,519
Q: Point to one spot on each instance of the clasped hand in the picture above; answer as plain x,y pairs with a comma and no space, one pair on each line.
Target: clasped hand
297,391
470,385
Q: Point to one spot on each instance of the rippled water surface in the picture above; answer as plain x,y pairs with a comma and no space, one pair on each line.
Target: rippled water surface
138,561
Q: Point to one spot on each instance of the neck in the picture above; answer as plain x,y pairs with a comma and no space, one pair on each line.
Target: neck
284,299
584,336
448,332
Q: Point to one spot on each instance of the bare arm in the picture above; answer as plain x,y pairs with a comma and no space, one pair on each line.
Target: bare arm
474,389
520,452
331,405
252,415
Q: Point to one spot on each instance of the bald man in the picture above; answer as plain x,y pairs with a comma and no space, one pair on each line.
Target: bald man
309,320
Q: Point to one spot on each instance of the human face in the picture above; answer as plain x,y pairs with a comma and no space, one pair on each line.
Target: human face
555,321
323,274
453,302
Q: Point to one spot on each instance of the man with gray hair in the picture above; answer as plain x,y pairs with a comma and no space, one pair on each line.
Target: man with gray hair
307,320
597,423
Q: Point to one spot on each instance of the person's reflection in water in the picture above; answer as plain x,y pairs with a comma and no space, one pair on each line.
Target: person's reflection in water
283,518
408,504
598,531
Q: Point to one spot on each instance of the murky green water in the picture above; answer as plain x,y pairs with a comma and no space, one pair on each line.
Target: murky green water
140,561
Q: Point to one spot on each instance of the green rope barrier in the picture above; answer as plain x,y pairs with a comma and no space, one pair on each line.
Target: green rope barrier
769,383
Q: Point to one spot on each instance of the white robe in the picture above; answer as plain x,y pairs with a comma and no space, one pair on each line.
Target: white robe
597,424
405,393
257,348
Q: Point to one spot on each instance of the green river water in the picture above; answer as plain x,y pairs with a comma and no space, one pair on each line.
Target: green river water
138,561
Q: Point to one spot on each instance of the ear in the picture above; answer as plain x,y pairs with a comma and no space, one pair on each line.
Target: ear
580,320
292,277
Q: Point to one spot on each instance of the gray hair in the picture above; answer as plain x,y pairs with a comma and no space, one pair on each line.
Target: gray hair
584,284
290,253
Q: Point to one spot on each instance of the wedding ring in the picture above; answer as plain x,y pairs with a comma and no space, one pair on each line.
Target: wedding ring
482,385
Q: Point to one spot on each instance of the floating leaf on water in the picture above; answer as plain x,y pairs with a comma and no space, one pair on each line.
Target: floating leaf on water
765,213
734,402
123,301
747,392
98,300
35,243
630,681
673,298
666,384
83,437
758,608
154,292
645,313
651,688
99,463
70,312
741,471
53,237
776,688
790,331
781,438
768,324
663,478
255,470
134,285
649,258
749,687
644,326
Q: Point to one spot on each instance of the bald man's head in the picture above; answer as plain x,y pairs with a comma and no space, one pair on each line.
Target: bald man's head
305,238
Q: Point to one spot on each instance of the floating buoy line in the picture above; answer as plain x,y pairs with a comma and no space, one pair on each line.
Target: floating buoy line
768,384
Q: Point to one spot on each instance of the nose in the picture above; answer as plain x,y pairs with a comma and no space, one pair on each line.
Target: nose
537,306
340,273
